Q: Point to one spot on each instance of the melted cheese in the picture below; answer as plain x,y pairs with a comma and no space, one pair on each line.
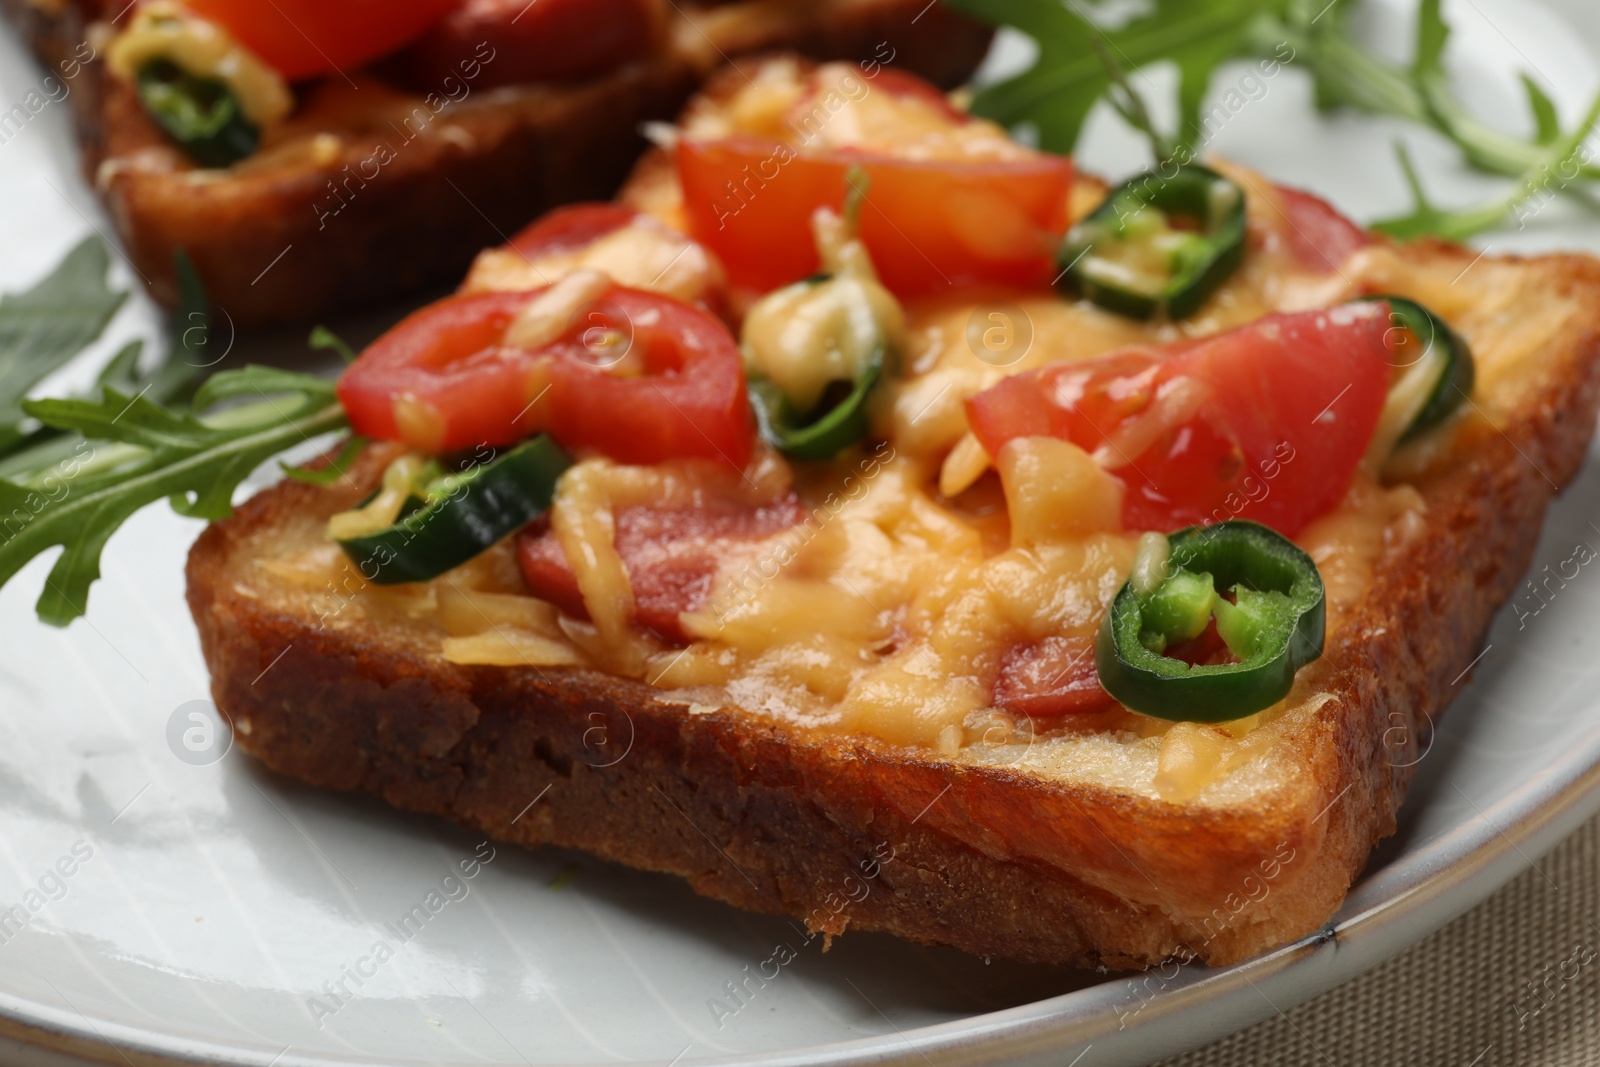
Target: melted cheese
889,614
512,646
843,108
1055,491
645,255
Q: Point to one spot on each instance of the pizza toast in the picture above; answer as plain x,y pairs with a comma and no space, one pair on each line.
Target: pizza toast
378,185
1101,841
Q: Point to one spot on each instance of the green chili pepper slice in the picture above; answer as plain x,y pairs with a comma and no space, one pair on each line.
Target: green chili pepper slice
1159,245
462,514
201,114
1274,624
1445,359
820,434
814,350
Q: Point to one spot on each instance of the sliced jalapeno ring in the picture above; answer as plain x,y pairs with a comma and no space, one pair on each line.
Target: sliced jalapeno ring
462,514
203,115
1443,370
811,435
1273,625
814,351
1159,245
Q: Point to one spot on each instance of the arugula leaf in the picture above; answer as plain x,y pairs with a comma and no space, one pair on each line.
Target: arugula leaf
190,329
1428,219
174,379
123,370
1057,92
1349,76
323,338
43,328
1080,63
1547,127
336,466
1127,102
136,452
1432,33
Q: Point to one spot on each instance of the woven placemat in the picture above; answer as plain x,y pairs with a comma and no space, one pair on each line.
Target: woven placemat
1514,981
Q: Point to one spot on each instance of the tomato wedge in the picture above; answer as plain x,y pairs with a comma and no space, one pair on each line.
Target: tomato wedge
548,42
1265,422
668,381
930,223
307,38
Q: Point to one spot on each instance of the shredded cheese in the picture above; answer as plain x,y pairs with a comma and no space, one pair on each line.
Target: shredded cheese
1176,402
581,517
550,314
1055,491
510,646
383,510
466,612
964,465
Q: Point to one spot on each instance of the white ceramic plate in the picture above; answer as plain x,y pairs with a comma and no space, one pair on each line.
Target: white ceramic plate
208,904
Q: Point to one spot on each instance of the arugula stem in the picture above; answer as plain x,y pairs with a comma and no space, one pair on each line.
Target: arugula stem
113,455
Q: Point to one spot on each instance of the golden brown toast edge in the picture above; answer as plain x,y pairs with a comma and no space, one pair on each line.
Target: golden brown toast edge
262,238
995,861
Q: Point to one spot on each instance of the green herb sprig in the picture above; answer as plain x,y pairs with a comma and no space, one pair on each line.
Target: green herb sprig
134,452
44,327
1080,62
73,470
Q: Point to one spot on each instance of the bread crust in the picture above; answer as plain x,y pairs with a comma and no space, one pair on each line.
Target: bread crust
993,860
294,236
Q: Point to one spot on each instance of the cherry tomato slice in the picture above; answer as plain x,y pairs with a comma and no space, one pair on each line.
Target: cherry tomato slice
1265,422
571,227
514,42
929,223
444,379
307,38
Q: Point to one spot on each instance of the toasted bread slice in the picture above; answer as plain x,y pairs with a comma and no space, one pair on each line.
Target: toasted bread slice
1061,849
370,191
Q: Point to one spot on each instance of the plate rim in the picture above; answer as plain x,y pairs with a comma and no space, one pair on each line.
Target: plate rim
1434,885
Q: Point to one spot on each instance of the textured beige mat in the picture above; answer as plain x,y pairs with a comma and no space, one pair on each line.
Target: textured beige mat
1514,981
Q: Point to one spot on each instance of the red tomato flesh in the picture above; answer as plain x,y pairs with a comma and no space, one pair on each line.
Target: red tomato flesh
514,42
308,38
929,224
1289,405
672,556
450,359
